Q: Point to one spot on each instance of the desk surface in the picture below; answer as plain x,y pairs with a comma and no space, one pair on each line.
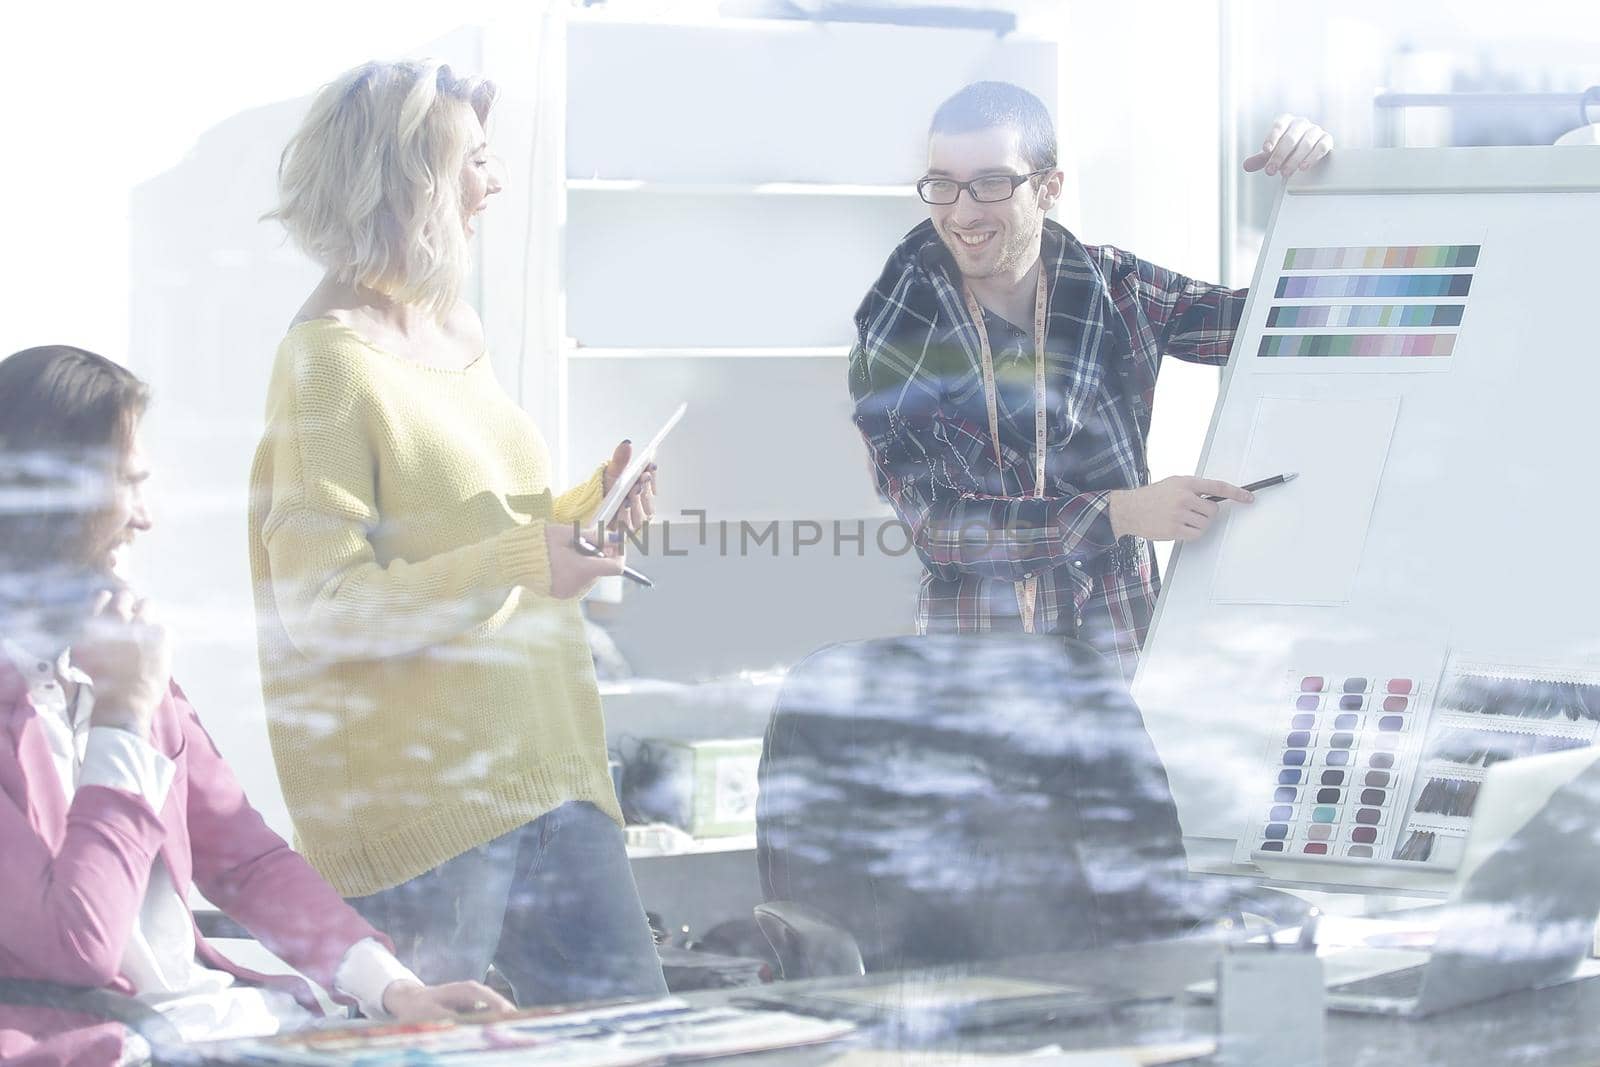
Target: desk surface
1557,1027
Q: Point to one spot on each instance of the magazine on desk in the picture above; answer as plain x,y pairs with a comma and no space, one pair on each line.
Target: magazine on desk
622,1035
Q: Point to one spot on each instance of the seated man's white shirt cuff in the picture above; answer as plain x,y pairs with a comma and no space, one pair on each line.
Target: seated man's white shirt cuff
120,759
366,971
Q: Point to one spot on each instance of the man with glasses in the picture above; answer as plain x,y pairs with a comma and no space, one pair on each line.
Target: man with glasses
1003,376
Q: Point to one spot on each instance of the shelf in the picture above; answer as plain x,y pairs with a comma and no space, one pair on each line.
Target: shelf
700,846
622,687
643,185
712,352
742,680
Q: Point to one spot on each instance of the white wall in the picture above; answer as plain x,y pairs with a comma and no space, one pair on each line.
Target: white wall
102,96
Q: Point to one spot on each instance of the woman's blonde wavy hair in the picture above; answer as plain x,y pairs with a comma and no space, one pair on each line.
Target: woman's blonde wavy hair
370,184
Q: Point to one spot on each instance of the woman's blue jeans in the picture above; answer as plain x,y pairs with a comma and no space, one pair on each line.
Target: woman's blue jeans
552,905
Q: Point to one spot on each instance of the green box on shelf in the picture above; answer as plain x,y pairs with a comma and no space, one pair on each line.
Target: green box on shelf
705,787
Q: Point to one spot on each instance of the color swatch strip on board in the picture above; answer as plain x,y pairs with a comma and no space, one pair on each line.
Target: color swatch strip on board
1402,257
1344,286
1357,344
1315,316
1340,772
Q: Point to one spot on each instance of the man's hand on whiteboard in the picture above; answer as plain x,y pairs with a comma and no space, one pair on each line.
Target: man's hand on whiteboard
1293,144
1173,509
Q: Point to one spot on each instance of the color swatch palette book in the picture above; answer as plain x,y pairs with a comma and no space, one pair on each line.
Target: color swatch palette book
1339,766
1398,302
1386,768
1488,711
633,1034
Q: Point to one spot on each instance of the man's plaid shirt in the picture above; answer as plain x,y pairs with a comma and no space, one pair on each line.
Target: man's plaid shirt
917,383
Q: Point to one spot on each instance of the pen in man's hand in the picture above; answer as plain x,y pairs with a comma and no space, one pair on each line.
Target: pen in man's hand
1265,483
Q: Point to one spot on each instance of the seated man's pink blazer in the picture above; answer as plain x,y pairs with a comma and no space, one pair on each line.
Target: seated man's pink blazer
72,879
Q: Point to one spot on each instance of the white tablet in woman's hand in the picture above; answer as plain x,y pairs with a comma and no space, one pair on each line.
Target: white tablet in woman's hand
630,474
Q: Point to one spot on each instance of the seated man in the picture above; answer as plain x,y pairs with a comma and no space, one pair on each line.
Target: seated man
113,799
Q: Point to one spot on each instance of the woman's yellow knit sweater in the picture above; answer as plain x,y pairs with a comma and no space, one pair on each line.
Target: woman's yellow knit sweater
425,693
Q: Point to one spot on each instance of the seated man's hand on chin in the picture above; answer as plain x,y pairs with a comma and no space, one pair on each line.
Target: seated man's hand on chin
411,1001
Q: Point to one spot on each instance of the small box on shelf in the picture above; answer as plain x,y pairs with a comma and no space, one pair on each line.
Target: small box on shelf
707,788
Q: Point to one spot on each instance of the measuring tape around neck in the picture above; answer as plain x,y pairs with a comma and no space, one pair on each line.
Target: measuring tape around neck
1028,588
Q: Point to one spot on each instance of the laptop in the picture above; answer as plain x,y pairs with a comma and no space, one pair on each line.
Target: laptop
1527,898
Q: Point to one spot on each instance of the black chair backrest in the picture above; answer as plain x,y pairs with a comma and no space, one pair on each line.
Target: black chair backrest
952,797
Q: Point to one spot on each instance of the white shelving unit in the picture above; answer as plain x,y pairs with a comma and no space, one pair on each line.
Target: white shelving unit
731,191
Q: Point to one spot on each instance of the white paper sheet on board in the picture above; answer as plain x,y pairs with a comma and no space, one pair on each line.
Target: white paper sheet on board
1301,543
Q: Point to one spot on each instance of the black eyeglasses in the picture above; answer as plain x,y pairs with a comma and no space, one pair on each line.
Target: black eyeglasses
989,189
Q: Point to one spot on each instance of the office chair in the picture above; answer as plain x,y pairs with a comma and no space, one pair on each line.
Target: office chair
951,798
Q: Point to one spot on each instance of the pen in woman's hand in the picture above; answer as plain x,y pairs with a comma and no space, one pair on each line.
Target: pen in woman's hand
589,549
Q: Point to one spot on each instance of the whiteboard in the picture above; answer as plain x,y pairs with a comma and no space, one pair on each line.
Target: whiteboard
1440,304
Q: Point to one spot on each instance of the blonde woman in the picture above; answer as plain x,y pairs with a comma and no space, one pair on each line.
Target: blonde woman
431,697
